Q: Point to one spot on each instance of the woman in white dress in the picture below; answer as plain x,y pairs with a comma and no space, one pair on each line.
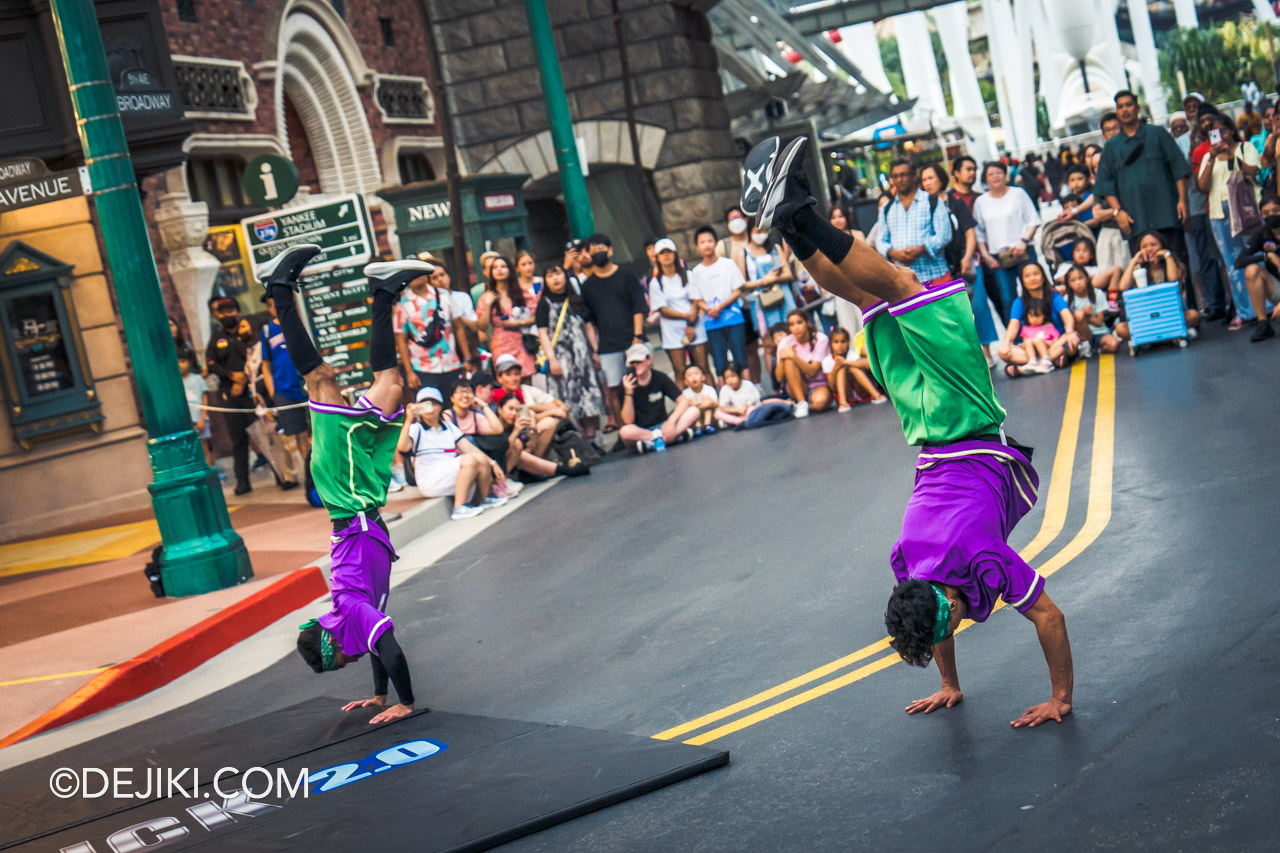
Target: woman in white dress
682,325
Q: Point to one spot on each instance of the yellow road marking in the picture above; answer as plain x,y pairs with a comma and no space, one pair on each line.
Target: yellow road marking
52,677
1098,516
1055,508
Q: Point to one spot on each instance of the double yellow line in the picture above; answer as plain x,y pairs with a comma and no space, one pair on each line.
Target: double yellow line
1055,516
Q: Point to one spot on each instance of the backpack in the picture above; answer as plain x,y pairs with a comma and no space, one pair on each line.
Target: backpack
953,252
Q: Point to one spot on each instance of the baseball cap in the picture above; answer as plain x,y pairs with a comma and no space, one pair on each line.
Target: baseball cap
429,393
637,353
428,257
505,362
1199,97
226,303
482,379
666,244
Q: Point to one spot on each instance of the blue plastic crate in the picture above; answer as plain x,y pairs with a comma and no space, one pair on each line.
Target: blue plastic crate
1155,314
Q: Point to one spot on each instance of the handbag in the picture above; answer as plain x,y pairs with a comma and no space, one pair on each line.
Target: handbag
543,360
1242,202
772,296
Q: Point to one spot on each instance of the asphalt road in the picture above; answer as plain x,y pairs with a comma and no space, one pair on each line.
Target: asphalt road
667,587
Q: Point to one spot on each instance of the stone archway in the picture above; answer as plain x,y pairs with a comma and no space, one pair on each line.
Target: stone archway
606,143
319,67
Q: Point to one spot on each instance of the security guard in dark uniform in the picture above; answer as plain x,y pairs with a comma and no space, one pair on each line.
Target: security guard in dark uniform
226,356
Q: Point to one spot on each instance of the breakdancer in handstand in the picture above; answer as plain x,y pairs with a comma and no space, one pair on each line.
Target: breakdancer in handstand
352,452
972,483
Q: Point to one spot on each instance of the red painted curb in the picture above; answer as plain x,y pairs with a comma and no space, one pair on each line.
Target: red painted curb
182,652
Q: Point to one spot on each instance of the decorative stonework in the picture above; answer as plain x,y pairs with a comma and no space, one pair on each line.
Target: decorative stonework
215,88
183,224
403,100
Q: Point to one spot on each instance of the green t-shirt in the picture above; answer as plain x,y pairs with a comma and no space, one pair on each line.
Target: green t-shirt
1148,186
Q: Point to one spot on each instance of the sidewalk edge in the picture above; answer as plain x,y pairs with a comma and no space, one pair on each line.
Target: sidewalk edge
182,652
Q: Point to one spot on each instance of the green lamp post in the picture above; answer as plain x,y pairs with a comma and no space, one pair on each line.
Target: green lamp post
201,551
577,203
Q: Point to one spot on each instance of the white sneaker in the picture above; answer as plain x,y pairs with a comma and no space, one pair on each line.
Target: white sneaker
1192,333
644,447
876,401
842,409
801,410
395,486
493,502
1086,349
991,362
507,489
1045,366
464,511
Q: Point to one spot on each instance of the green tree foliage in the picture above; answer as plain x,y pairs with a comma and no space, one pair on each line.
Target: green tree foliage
1216,60
892,61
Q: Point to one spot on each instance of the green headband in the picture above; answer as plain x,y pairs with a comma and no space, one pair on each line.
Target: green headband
328,654
943,623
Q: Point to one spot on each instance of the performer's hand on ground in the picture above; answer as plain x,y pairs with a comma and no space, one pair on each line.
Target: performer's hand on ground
376,701
1054,709
947,697
395,712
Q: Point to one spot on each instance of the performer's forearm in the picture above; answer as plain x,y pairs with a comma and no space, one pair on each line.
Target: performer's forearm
379,678
944,654
1051,629
397,668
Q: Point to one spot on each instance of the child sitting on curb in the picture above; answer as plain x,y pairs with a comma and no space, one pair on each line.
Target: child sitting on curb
702,397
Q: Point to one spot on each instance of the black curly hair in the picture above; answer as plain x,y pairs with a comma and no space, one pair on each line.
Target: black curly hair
910,619
309,647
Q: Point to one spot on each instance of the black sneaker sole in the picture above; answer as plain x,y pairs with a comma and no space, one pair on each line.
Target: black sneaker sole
776,194
757,173
289,267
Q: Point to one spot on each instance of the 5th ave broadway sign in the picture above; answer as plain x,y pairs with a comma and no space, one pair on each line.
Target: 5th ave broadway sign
28,182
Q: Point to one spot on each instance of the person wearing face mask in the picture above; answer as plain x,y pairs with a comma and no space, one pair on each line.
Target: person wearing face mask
1260,261
226,356
734,247
768,291
615,301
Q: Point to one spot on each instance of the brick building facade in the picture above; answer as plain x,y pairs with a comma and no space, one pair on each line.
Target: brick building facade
340,89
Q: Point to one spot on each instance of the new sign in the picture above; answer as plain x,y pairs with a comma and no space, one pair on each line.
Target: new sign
28,181
338,226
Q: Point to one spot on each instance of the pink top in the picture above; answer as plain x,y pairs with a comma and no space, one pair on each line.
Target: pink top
1044,333
504,341
818,348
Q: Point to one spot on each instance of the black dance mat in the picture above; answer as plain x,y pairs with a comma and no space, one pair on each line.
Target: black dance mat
433,781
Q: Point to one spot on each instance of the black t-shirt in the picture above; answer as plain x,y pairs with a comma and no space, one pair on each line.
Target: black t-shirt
225,355
650,408
1258,243
613,303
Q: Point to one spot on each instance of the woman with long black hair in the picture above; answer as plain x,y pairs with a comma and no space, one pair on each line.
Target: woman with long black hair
568,338
504,314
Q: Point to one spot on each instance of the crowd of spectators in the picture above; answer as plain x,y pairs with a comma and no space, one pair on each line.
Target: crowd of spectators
529,373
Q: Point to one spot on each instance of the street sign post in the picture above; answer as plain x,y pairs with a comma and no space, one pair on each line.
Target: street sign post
335,293
270,180
27,181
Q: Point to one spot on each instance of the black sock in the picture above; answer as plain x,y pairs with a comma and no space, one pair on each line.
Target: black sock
302,352
801,246
828,239
382,344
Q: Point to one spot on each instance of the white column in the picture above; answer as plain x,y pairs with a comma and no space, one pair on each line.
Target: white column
183,224
1263,12
1001,40
1145,41
919,66
1185,10
966,97
862,46
1024,105
1047,50
1105,21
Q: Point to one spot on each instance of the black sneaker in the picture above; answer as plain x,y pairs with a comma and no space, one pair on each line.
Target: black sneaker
758,171
788,191
393,276
286,267
1262,332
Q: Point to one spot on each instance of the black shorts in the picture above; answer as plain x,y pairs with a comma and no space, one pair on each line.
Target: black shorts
291,421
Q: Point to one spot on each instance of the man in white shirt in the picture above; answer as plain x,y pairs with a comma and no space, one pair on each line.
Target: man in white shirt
715,284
